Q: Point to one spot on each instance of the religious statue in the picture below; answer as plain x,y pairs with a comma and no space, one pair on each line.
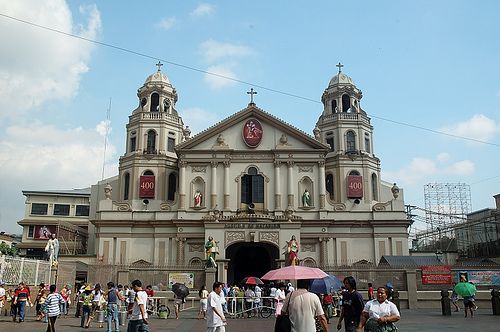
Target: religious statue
166,105
107,191
306,198
292,251
211,250
395,191
197,198
52,249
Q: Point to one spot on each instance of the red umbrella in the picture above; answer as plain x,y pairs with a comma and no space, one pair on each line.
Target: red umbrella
294,272
252,281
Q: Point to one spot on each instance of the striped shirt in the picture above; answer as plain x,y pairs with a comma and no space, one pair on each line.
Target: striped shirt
52,303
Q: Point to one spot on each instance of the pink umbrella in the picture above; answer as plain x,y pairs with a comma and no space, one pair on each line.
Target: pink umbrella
294,272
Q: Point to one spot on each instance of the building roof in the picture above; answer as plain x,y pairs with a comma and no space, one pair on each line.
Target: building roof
341,78
409,261
71,192
157,76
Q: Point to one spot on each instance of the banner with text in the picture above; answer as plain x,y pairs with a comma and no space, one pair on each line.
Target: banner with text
147,186
436,274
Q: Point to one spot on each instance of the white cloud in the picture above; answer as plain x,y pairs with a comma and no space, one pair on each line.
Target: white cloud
167,23
40,65
203,9
478,127
443,157
43,157
198,119
219,82
213,50
462,168
424,169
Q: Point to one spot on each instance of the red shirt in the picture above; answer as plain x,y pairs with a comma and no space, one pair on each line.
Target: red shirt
22,294
150,292
327,299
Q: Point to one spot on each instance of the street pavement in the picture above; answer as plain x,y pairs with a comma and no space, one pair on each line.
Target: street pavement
411,320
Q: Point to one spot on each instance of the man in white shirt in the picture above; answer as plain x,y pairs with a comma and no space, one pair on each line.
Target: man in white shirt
303,308
216,320
2,295
138,319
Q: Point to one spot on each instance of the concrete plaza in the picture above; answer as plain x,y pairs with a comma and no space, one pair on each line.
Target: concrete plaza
412,320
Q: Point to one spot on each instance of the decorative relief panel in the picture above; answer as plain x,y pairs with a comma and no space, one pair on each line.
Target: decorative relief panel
234,236
199,169
269,237
309,247
123,206
305,169
165,207
196,247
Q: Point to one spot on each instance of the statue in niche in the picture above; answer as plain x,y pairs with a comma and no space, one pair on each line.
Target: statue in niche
198,197
166,105
292,251
306,198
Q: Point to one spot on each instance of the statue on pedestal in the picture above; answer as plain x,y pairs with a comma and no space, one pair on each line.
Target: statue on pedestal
52,249
211,250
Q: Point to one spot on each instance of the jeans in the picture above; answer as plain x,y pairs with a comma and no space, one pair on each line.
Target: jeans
20,307
112,316
137,326
350,325
85,314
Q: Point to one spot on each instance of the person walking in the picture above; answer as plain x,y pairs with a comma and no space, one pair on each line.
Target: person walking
379,314
303,308
53,304
139,318
2,296
113,295
203,293
216,321
21,297
352,306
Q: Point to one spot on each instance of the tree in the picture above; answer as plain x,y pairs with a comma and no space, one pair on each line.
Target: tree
7,250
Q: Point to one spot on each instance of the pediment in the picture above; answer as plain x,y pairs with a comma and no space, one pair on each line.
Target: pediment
229,134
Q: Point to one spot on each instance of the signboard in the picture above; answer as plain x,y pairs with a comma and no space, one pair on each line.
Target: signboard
252,133
436,274
147,186
44,232
182,278
481,278
354,186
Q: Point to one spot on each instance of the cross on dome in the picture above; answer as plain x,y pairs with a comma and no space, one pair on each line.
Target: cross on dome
339,66
159,64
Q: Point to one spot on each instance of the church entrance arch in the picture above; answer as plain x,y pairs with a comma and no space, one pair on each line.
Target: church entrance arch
250,259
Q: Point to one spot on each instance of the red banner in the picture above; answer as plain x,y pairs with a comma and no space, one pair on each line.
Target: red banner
436,274
147,186
354,186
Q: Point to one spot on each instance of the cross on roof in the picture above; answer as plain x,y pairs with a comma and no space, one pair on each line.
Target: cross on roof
339,66
251,93
159,64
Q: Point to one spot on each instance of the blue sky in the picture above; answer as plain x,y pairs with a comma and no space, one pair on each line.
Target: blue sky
432,64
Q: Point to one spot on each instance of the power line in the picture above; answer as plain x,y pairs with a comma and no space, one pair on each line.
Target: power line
144,55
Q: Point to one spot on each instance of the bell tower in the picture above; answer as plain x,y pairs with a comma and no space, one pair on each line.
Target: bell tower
148,169
352,170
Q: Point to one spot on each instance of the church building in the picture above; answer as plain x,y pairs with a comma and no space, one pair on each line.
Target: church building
251,182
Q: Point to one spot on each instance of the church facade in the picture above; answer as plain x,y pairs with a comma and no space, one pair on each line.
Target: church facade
251,182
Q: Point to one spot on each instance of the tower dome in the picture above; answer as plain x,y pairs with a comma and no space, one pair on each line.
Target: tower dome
340,78
157,77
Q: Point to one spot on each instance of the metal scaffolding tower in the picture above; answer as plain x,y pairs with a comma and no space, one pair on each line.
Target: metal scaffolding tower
446,204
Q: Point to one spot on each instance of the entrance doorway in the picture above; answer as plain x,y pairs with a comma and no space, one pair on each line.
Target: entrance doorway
250,259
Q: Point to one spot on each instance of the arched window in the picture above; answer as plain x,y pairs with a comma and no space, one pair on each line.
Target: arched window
334,106
171,142
172,186
155,103
329,186
252,187
354,172
350,141
374,187
151,147
346,102
367,142
148,173
126,186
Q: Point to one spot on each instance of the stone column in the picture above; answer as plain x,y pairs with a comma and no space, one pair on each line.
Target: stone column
227,165
323,251
290,183
411,284
321,184
180,250
213,185
277,189
182,185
